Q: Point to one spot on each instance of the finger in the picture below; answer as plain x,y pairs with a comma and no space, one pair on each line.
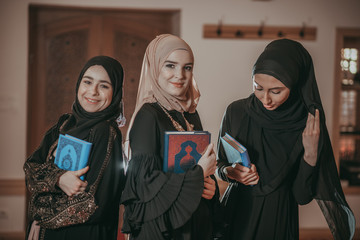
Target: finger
207,191
82,183
317,120
31,233
207,194
311,122
252,183
209,149
253,168
208,179
209,186
208,197
242,168
82,171
37,231
250,179
81,189
214,149
307,126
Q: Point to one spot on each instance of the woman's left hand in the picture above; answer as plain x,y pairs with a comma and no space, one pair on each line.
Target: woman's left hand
34,231
310,138
209,188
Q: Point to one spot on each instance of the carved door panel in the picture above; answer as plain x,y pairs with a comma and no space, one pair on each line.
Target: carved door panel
63,39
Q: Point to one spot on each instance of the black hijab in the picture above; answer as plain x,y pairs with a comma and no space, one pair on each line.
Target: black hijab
281,129
82,121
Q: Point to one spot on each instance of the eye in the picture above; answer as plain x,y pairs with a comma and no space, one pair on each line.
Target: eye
276,92
188,68
105,86
170,65
258,88
86,81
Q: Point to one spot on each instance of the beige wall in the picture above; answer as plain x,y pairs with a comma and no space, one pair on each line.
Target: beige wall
222,68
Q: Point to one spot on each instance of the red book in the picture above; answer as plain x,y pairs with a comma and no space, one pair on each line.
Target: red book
184,149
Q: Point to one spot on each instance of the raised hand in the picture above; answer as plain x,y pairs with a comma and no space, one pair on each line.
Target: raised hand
71,183
208,161
244,175
209,188
310,138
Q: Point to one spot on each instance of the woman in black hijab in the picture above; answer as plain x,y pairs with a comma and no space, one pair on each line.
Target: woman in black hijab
62,206
282,124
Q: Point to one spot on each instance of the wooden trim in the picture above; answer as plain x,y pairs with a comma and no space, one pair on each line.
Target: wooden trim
9,187
315,234
355,190
258,32
107,9
321,234
12,235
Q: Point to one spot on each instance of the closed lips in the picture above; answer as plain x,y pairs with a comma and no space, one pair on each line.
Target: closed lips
179,85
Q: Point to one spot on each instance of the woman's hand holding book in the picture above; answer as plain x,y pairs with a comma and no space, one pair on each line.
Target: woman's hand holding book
244,175
71,183
208,161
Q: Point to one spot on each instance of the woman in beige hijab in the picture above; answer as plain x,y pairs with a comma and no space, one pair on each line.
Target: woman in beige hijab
162,205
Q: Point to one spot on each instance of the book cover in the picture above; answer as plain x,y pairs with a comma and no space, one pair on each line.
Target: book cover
72,153
235,151
184,149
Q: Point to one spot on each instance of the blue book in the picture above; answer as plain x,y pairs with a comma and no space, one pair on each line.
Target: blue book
72,153
235,152
183,150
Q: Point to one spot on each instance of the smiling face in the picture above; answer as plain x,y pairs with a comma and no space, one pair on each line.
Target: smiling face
95,89
270,91
176,73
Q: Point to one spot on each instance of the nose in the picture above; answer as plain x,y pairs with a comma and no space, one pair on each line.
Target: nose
179,73
266,99
94,89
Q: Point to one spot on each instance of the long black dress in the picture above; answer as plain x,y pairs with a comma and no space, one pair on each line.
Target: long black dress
87,219
162,205
270,214
269,210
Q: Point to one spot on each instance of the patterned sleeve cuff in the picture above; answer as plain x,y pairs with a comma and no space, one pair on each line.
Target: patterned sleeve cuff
53,178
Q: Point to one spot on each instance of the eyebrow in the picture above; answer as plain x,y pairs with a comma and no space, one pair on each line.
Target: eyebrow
102,81
168,61
274,88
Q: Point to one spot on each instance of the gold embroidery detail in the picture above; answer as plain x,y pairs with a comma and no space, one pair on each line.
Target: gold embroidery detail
177,125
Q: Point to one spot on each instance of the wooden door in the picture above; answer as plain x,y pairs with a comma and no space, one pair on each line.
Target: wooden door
61,41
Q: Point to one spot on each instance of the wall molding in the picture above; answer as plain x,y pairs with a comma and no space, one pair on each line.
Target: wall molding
11,187
12,235
321,234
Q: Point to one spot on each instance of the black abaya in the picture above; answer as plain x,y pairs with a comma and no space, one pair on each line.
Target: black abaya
162,205
254,215
274,141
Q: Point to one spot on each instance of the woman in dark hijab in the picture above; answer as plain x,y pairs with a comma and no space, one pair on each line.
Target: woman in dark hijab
282,124
62,206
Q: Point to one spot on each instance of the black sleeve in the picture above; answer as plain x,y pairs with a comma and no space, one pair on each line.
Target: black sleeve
303,184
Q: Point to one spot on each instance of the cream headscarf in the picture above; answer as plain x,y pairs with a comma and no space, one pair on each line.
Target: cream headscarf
149,90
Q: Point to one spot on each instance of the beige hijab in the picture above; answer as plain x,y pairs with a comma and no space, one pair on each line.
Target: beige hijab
149,90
